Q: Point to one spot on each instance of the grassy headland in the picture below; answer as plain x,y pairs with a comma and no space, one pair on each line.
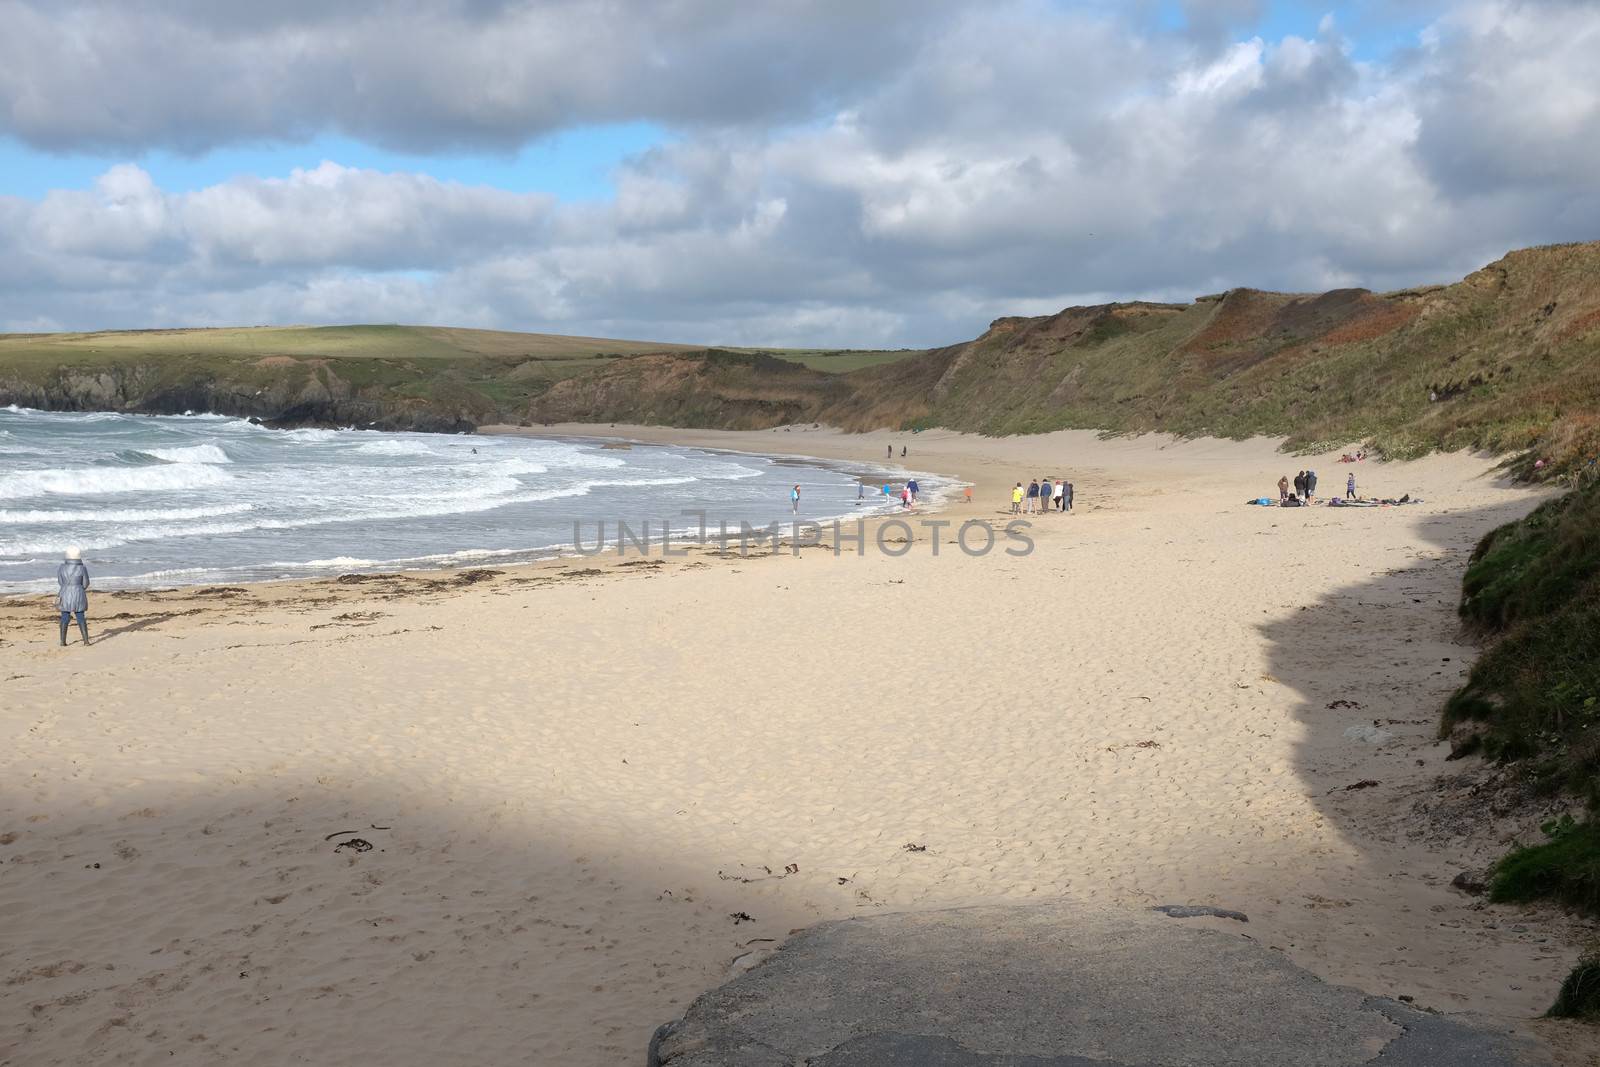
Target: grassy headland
1506,360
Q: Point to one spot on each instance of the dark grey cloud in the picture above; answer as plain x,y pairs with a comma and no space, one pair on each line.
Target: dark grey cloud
1010,158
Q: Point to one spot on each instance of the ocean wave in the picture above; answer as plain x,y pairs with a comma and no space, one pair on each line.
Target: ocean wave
190,454
93,481
737,473
395,448
43,517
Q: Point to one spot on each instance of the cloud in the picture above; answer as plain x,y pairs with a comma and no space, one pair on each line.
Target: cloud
190,75
1004,158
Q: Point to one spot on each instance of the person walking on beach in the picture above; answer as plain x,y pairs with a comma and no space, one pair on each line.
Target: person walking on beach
912,486
1016,500
1059,495
72,595
1033,497
888,452
1066,497
902,451
794,499
861,492
968,492
1350,487
1311,485
1300,485
905,496
1045,492
1283,489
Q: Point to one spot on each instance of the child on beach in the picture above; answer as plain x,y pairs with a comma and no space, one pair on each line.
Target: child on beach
1016,500
1350,487
794,499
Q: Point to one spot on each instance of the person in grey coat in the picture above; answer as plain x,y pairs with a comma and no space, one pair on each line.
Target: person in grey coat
72,579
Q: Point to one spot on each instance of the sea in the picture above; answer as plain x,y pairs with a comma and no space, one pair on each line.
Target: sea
207,499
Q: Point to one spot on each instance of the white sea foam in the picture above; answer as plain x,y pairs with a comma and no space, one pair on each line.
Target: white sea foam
15,518
92,481
191,454
395,448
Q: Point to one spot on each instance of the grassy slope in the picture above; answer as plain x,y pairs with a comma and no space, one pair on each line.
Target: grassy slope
1512,352
1533,698
1533,588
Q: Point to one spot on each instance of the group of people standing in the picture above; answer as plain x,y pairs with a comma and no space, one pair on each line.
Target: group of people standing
907,494
1041,495
1304,488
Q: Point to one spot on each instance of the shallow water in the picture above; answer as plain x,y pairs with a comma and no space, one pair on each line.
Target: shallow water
161,500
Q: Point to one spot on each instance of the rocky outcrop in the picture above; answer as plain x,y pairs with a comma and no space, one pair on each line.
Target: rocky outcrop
1054,986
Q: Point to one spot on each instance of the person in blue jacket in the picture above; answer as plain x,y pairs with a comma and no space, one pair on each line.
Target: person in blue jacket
72,597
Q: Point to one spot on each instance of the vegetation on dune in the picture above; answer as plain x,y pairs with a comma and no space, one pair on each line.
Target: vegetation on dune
1533,589
1580,993
1507,360
1565,868
1532,700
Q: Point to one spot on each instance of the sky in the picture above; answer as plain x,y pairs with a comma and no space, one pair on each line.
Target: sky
811,173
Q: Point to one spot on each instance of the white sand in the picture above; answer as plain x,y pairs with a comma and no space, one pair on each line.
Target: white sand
581,780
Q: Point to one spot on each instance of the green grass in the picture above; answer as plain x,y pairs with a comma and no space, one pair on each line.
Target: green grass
839,362
1565,868
316,342
1533,589
1580,993
1532,700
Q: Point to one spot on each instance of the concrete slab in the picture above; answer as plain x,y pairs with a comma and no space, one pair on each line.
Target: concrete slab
1055,986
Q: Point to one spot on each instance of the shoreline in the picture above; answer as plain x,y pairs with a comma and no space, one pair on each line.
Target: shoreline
661,530
580,775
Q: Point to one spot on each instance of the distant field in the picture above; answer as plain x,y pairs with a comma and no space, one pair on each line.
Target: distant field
381,342
335,342
837,362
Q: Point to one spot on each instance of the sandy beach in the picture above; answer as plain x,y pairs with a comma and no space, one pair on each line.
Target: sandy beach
590,786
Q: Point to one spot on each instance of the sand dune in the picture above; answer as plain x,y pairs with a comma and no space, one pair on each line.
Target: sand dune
590,788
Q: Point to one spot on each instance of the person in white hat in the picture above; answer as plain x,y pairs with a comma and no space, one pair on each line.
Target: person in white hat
72,581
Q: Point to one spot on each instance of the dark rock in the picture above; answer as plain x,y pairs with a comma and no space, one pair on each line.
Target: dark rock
1472,883
1195,911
